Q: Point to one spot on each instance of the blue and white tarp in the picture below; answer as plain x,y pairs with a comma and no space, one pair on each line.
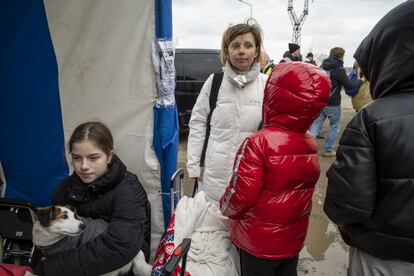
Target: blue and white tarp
64,62
165,118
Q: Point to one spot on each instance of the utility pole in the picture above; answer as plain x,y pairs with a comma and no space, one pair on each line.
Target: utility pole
250,21
297,23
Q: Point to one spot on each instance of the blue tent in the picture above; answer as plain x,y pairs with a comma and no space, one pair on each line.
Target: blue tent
32,150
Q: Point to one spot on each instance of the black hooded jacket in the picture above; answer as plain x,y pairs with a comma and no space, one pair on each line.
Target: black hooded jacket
370,192
117,197
336,70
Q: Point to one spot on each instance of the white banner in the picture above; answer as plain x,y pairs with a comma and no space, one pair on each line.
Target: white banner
103,48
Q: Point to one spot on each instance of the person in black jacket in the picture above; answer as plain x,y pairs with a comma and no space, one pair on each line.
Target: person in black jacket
334,66
100,187
370,193
293,54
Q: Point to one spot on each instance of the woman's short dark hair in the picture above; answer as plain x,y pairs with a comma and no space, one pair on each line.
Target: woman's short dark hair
337,52
235,30
96,132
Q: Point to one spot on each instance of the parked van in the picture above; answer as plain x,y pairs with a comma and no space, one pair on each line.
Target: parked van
192,66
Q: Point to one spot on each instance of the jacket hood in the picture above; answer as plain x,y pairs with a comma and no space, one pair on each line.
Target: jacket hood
294,95
332,63
386,55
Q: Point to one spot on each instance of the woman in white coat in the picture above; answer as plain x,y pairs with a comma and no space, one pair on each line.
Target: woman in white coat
237,113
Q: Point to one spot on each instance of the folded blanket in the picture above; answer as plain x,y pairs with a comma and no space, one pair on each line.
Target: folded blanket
211,252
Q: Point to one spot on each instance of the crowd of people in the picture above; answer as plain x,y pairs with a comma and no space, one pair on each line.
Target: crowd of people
261,163
369,194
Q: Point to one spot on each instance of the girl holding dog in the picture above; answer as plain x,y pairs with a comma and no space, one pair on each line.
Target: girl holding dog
100,187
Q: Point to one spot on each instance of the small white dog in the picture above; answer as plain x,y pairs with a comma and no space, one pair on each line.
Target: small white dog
55,223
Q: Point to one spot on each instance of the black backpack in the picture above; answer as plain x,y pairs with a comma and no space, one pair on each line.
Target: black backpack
215,86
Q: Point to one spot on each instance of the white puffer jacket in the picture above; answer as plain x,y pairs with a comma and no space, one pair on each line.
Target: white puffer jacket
237,114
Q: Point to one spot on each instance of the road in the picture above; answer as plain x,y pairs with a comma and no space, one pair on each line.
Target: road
324,253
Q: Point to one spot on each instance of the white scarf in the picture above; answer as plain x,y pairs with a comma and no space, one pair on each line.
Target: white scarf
240,79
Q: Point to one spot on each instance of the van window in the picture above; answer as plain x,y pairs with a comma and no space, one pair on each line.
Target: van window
199,66
192,67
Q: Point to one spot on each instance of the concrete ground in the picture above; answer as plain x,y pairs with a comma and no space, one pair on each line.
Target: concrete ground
324,253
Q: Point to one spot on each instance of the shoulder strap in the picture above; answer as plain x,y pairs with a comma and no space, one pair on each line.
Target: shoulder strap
215,86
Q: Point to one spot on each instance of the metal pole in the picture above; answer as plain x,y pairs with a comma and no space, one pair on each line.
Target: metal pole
251,8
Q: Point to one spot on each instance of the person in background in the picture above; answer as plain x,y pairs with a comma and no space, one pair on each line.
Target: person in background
363,97
309,58
100,187
269,198
264,61
293,54
334,66
237,113
266,65
370,192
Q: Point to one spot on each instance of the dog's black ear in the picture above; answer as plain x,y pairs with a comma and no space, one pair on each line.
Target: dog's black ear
44,215
73,209
70,207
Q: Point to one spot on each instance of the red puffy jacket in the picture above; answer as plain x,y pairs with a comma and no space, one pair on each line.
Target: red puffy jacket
269,197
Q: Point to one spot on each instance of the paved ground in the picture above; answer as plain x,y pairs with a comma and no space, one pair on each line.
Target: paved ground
324,253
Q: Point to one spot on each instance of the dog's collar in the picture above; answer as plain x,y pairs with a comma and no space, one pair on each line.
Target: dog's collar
50,249
65,243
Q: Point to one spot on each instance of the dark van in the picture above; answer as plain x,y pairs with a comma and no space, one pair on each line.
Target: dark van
192,66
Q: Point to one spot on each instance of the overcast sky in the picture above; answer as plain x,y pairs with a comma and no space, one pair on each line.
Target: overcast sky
330,23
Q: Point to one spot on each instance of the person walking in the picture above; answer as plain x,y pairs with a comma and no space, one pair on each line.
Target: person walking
269,197
237,113
370,192
334,66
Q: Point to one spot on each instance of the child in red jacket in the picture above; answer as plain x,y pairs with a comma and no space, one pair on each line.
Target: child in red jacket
269,197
